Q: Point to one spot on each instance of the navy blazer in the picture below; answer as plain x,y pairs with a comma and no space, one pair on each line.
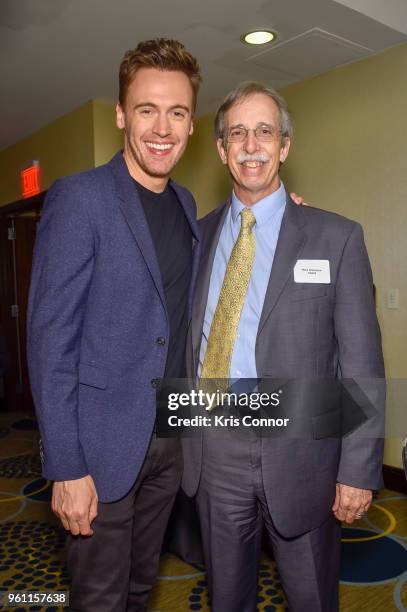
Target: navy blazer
96,310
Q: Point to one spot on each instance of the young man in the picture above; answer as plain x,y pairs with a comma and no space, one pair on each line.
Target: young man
113,275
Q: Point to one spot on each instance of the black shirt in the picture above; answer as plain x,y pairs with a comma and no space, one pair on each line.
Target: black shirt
172,238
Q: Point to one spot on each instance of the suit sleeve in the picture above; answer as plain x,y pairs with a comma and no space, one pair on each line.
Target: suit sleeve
361,364
61,277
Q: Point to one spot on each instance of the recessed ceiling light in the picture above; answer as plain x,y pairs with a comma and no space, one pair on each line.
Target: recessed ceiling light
258,37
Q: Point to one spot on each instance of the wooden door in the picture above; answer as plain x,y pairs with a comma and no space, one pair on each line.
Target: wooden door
17,237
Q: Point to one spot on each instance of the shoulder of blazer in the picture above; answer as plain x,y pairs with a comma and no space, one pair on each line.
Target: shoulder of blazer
323,219
93,185
80,192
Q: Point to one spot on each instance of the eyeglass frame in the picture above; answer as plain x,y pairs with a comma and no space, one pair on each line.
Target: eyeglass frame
254,130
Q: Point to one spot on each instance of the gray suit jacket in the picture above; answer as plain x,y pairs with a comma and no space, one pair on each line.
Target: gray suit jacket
306,331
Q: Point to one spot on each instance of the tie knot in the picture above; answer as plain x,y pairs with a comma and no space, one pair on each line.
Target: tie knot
248,219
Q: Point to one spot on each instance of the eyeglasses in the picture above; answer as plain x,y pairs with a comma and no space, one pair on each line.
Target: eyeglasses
263,132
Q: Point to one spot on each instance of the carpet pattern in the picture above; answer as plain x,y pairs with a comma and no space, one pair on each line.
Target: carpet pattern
374,551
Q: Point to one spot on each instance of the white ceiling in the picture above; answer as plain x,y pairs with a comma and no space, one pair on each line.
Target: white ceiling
57,54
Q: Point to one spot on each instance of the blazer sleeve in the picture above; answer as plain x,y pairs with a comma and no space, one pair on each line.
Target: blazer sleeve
361,364
61,276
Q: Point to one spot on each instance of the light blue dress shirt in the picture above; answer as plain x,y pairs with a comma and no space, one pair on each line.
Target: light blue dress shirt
269,213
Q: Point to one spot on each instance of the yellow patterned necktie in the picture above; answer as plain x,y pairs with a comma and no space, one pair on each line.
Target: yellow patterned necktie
222,335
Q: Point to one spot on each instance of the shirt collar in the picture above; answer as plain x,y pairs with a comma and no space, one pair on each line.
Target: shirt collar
264,209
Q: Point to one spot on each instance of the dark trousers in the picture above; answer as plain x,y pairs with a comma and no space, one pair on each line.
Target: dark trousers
232,510
115,569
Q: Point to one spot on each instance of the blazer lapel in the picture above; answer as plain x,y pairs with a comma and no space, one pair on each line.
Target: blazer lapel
213,228
289,245
132,210
187,202
189,207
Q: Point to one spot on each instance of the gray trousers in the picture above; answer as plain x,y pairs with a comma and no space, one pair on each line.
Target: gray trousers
115,569
232,510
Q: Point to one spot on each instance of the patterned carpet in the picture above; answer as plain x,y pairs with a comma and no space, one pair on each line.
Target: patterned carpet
374,556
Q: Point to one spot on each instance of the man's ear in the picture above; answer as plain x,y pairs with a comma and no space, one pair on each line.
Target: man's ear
191,128
221,150
120,116
284,150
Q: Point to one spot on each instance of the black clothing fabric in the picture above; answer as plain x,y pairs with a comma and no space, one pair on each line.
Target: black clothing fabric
172,238
115,569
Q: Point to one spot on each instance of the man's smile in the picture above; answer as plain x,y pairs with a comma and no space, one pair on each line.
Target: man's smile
159,149
252,164
252,161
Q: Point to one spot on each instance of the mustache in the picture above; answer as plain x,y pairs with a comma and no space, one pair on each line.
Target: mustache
256,157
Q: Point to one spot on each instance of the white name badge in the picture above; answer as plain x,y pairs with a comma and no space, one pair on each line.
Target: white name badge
312,271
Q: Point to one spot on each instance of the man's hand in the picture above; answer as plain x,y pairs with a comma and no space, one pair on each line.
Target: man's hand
75,502
351,503
297,199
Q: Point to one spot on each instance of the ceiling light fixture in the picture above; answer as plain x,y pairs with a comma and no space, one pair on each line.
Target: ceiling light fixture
258,37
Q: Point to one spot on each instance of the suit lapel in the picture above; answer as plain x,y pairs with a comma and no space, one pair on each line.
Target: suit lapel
213,228
132,210
290,242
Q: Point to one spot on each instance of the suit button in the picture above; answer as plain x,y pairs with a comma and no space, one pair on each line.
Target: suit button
160,340
155,382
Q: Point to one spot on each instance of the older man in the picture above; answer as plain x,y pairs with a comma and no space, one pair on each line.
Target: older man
254,317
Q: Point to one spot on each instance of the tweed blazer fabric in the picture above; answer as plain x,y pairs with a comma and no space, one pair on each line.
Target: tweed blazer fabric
96,309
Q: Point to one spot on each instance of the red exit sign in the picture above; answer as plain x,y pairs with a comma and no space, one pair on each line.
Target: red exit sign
30,180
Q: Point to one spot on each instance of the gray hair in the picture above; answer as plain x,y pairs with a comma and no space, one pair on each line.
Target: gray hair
243,91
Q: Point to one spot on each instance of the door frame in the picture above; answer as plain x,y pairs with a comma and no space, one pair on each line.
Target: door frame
13,399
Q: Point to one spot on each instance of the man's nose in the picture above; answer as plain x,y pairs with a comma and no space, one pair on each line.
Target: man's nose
251,143
162,125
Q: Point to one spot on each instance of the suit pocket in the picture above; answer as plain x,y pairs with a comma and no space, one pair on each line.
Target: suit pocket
92,376
307,292
327,425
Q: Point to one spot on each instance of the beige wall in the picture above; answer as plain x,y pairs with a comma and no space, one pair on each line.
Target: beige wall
63,147
85,138
201,170
108,139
